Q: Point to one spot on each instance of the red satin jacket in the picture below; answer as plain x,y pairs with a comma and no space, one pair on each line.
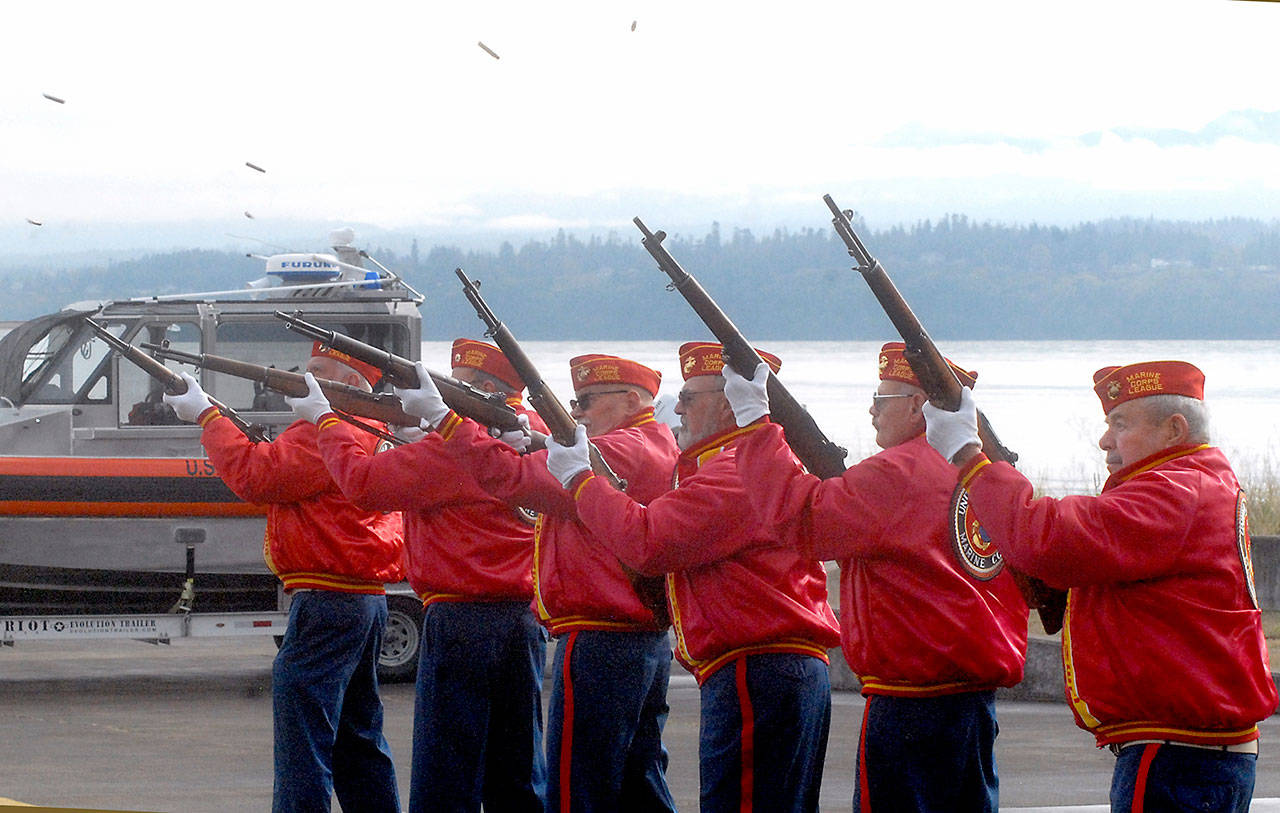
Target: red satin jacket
578,582
316,539
461,543
731,589
1163,637
913,621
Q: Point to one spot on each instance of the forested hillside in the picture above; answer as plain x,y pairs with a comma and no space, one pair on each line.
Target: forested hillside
1110,279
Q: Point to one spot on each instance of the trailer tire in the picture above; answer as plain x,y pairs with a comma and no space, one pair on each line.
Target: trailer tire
401,640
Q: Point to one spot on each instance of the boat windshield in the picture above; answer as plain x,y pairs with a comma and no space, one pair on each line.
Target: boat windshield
65,365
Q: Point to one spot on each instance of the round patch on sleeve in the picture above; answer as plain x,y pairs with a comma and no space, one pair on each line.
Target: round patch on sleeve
1244,544
973,548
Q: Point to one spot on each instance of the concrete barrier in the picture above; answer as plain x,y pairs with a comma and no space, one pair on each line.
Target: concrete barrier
1266,572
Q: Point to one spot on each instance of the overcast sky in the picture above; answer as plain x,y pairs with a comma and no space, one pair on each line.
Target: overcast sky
391,114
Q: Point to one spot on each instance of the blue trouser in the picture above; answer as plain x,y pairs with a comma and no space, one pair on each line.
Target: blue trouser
1155,778
328,716
604,727
764,729
477,717
928,754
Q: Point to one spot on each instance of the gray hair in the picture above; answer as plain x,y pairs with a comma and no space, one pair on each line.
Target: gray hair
480,376
1160,407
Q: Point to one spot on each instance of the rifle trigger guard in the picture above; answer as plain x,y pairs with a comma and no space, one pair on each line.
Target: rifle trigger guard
671,286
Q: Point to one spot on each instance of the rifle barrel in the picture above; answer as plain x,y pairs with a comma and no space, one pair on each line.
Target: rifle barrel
169,380
820,455
490,409
558,420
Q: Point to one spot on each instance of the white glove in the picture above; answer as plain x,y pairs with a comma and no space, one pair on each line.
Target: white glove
949,432
749,399
312,405
423,401
518,439
191,404
567,462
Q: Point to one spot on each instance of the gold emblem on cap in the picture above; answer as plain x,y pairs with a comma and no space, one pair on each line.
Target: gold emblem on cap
884,361
1113,390
582,373
690,363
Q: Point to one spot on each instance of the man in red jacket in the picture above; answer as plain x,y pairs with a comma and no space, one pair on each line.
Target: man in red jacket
1162,646
477,721
751,617
929,632
334,559
613,659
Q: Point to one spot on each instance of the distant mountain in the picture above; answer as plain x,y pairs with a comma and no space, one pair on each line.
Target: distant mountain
1117,278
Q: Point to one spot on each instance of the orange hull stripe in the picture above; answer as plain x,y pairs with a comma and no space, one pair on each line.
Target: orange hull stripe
106,466
131,509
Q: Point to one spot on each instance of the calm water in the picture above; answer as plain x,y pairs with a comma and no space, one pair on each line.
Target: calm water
1038,395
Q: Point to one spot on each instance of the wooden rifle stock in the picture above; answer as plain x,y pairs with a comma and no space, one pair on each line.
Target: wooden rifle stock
942,388
486,408
344,398
819,455
559,422
170,381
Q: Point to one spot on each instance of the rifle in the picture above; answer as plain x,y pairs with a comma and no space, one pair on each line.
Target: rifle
171,381
345,399
487,408
819,455
651,590
558,420
942,388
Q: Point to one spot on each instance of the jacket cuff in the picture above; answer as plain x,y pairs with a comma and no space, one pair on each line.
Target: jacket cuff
579,482
208,415
327,420
972,468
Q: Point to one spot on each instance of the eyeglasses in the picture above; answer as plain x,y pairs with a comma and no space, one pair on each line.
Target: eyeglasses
584,401
877,399
686,396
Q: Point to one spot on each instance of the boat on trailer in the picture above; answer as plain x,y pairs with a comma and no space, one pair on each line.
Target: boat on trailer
108,505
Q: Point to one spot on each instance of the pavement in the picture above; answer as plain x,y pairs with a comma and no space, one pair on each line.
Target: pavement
124,725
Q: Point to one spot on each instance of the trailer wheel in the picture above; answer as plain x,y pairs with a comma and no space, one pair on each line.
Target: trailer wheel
398,660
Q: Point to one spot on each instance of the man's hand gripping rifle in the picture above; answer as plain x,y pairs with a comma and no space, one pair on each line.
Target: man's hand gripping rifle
486,408
169,380
942,389
819,455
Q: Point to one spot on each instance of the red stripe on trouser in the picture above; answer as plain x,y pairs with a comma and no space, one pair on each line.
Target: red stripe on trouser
1140,781
864,788
748,736
566,731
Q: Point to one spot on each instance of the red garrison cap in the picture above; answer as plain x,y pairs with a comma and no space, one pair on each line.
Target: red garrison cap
707,358
487,359
371,374
596,368
1116,385
895,367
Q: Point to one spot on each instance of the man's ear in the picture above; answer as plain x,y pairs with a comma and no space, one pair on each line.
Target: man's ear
1177,429
918,400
